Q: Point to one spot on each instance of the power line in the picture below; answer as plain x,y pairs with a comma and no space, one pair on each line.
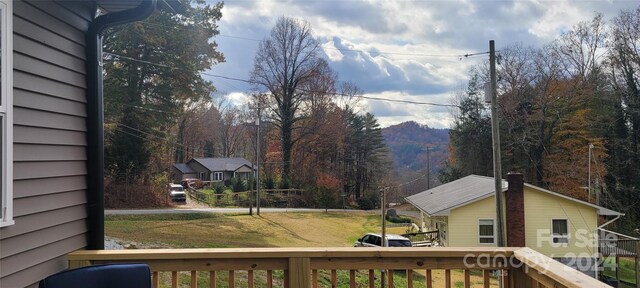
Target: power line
299,89
460,56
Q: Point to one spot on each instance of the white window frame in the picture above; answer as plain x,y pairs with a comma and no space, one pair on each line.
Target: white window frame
560,236
218,176
201,176
492,237
6,111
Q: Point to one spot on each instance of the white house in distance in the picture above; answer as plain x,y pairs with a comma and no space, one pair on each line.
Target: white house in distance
561,227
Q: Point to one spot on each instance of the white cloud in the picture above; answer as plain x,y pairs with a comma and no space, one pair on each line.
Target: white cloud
414,31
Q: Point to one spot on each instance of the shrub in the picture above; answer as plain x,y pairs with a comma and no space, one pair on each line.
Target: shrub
369,201
269,183
284,184
238,185
219,188
398,219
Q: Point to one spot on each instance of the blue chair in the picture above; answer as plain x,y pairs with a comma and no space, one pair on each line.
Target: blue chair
101,276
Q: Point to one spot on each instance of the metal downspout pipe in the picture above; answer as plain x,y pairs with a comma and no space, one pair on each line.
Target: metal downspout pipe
95,116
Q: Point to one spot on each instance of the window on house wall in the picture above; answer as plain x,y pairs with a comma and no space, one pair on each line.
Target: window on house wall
560,230
202,176
486,231
217,176
6,112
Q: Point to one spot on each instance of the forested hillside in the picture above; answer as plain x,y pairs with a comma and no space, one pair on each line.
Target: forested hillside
408,143
555,102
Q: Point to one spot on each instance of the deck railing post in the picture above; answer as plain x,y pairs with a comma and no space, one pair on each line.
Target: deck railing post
299,272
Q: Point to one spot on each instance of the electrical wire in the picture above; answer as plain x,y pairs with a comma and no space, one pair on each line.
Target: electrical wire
459,56
298,89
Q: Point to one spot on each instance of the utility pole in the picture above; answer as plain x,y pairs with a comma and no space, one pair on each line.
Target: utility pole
258,161
383,206
495,131
589,184
428,170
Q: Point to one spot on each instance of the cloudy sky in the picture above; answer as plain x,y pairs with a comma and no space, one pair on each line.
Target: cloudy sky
401,49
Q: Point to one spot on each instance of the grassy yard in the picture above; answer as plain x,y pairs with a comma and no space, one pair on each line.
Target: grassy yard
627,272
266,230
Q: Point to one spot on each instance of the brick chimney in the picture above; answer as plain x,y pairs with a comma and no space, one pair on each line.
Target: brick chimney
514,201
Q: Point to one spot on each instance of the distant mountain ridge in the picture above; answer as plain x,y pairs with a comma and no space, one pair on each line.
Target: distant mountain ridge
408,142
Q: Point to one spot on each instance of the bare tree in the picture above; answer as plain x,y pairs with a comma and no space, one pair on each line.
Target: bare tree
284,62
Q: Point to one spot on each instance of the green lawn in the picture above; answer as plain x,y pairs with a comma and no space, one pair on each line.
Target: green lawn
627,272
206,230
267,230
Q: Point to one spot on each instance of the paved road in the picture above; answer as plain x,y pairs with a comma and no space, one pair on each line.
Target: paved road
220,210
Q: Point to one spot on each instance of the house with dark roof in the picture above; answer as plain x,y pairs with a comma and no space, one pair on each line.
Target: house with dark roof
214,169
181,171
561,227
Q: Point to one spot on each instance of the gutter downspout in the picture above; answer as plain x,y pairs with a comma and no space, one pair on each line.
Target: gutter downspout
95,116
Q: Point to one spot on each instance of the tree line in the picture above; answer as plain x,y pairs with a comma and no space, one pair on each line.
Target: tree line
556,101
160,109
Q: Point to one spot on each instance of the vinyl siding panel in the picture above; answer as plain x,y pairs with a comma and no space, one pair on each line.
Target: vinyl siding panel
44,203
47,86
34,222
46,37
463,223
35,50
32,65
37,135
30,153
540,208
38,271
35,170
49,141
43,102
43,186
38,118
25,260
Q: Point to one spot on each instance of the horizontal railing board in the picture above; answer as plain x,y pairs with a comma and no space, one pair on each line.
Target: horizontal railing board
320,252
163,265
565,275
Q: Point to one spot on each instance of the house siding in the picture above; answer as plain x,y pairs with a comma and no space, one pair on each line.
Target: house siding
200,169
540,208
463,223
49,140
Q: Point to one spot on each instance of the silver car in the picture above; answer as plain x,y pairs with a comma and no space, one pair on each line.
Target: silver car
176,193
375,240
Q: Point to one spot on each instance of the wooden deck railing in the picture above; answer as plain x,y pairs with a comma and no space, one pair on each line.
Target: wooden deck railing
343,267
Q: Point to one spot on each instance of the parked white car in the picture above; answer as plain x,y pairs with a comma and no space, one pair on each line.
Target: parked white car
375,240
